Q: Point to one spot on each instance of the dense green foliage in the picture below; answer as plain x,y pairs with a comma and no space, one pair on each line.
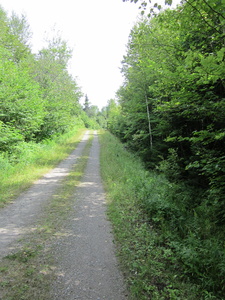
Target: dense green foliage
138,201
171,112
38,97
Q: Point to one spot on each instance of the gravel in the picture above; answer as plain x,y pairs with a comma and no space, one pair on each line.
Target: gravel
86,264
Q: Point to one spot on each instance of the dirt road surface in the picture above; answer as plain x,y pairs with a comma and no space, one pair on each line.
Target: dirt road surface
87,267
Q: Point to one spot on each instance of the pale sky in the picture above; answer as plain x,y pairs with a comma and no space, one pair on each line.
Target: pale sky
97,30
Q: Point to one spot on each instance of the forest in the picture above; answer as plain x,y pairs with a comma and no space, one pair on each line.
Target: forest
39,99
170,112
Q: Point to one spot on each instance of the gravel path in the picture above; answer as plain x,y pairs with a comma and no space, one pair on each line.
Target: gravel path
18,218
87,266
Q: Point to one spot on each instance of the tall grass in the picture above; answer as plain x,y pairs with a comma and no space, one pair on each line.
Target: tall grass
146,215
29,161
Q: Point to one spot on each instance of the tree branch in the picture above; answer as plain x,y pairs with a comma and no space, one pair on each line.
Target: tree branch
188,2
218,13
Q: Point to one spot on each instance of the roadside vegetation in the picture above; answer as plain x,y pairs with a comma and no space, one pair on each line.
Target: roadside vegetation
31,160
170,113
160,245
27,273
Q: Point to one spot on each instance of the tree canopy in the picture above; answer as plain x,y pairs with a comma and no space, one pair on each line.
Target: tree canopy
38,97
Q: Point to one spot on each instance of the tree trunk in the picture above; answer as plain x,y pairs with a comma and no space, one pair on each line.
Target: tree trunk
149,121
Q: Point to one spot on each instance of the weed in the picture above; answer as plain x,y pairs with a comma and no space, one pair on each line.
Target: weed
23,255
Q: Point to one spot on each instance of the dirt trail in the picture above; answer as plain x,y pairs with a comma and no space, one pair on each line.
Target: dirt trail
85,256
87,264
18,218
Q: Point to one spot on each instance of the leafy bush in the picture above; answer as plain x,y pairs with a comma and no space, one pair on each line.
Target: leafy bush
9,137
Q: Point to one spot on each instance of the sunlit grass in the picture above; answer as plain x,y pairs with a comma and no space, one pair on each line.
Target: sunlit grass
30,161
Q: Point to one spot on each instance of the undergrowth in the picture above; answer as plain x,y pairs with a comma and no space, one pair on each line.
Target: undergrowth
27,273
28,161
162,250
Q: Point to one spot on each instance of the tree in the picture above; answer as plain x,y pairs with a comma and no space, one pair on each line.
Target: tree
113,111
21,107
93,111
59,90
178,58
176,67
20,28
102,118
15,36
38,97
86,104
152,8
20,103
